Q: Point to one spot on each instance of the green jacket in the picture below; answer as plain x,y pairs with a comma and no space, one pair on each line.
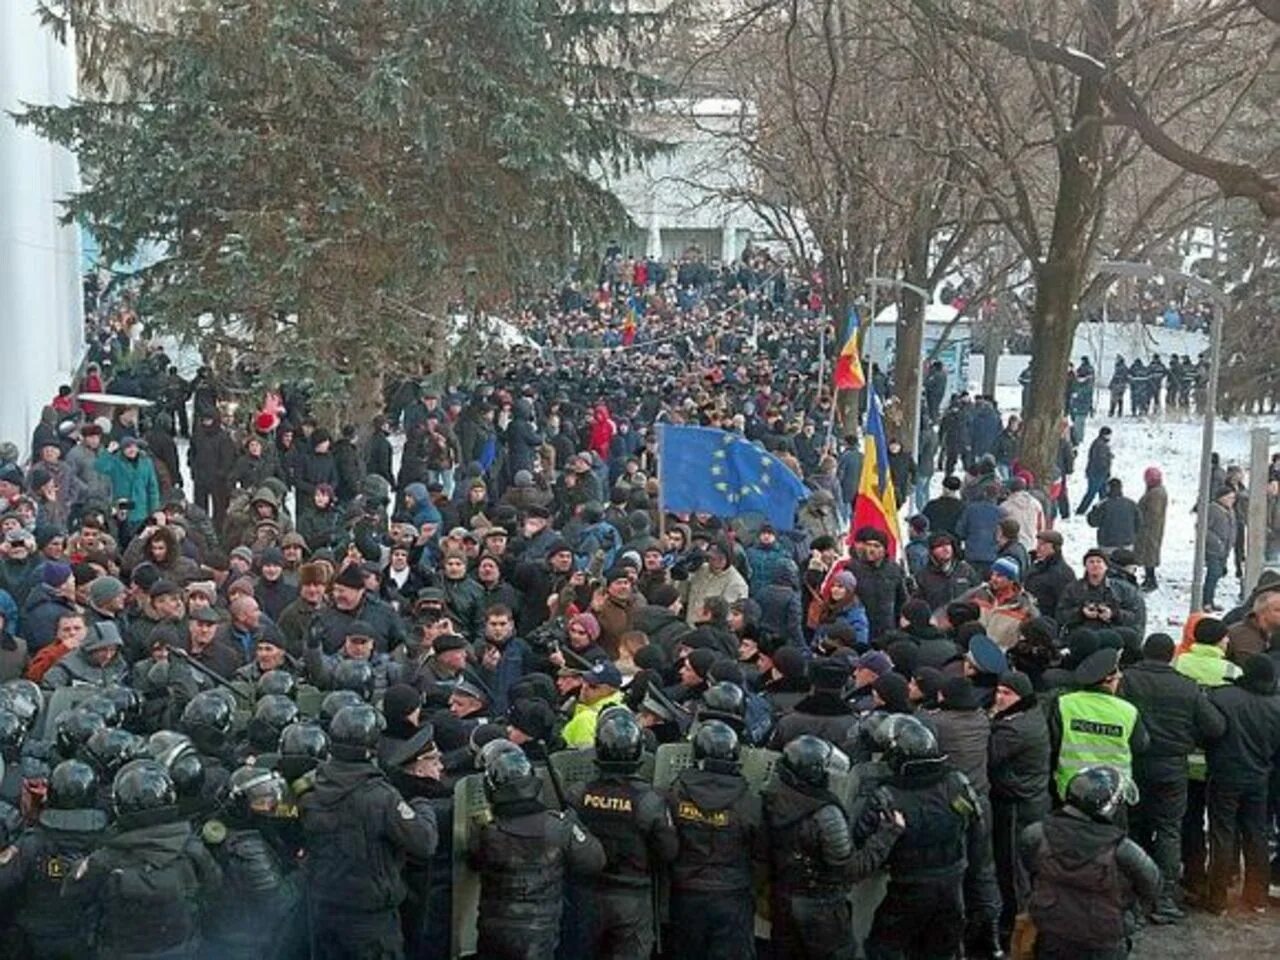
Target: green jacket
1208,666
132,480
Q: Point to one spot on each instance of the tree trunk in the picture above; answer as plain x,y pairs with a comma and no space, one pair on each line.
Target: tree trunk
992,348
1060,278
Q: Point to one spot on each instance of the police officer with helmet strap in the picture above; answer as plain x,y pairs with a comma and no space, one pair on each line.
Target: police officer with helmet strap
631,821
1085,873
718,821
523,852
922,913
144,886
33,870
813,861
358,829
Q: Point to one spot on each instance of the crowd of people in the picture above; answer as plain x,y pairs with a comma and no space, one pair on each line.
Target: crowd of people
237,699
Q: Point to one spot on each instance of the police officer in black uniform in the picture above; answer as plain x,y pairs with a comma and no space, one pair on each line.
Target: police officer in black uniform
1085,873
33,870
523,852
718,821
922,914
358,830
812,858
208,719
254,913
633,824
143,887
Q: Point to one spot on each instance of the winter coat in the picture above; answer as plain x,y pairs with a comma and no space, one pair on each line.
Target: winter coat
313,470
704,583
1122,597
40,616
93,485
938,585
854,614
1117,520
818,517
1018,755
212,455
132,480
781,612
346,461
1099,462
984,428
765,564
1177,715
523,438
963,736
1024,508
1003,619
1046,582
943,514
1151,513
662,627
977,529
883,591
1246,753
1221,537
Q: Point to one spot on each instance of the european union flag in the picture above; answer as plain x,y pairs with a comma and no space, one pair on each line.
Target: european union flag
716,472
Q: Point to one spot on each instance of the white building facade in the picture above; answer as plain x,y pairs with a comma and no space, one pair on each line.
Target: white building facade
41,300
685,197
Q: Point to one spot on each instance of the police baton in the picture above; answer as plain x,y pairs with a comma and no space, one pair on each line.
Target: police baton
209,674
556,786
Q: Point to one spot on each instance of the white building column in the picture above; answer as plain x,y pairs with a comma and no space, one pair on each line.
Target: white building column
41,322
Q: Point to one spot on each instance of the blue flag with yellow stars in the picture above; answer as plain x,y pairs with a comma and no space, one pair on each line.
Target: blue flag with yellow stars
713,471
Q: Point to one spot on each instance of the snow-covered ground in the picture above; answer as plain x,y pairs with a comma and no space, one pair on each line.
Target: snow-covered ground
1172,443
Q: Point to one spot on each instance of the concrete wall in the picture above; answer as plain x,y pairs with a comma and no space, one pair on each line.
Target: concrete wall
41,318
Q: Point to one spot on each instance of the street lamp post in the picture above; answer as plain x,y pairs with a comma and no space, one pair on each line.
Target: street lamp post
1126,268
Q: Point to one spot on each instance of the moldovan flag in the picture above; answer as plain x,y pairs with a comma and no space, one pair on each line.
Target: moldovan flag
629,329
876,504
849,374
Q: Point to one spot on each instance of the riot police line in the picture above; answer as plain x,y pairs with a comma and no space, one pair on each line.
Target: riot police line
276,821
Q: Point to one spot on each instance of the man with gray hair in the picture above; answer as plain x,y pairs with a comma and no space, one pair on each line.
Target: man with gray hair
1253,634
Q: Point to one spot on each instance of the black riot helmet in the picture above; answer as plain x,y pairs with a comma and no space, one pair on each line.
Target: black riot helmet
271,715
178,755
804,761
12,732
254,791
1099,792
128,703
509,776
724,701
73,785
619,739
72,728
355,731
279,682
715,746
906,740
302,747
109,749
207,721
355,675
142,786
334,702
104,707
23,698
